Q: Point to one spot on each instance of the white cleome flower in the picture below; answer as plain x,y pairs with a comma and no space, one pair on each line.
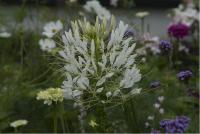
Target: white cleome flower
51,28
18,123
186,15
94,6
97,68
47,44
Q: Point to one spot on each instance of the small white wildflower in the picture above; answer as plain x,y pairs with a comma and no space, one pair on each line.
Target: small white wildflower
147,124
185,14
142,14
5,34
183,48
47,44
161,111
150,117
157,105
93,123
113,3
51,95
51,28
94,6
99,90
108,94
18,123
161,98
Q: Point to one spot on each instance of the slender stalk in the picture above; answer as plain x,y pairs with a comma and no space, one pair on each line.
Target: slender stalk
142,25
22,49
55,124
15,129
62,123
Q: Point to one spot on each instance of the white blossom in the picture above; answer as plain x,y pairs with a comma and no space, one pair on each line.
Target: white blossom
5,34
157,105
186,15
161,111
150,117
51,28
91,65
113,3
47,44
94,6
142,14
161,98
18,123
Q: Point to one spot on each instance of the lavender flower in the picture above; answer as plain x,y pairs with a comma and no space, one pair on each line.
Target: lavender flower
178,125
128,33
155,84
184,75
179,30
165,46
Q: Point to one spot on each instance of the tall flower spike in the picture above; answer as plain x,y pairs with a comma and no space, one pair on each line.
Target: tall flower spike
99,67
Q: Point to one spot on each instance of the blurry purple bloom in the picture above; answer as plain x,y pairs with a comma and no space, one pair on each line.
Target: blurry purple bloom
154,84
184,75
165,46
178,125
129,33
155,132
178,30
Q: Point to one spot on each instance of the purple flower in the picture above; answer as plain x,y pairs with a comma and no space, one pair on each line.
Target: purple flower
165,46
129,33
178,125
178,30
154,84
184,75
155,132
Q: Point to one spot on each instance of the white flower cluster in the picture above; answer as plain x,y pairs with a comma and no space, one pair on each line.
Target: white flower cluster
186,14
18,123
96,67
158,108
4,33
95,7
51,95
50,29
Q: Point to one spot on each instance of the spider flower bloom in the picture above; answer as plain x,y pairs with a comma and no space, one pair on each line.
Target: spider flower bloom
178,30
184,75
100,62
18,123
165,46
51,95
178,125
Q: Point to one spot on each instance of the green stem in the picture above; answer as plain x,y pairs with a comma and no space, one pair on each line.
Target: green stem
142,25
62,123
15,129
22,50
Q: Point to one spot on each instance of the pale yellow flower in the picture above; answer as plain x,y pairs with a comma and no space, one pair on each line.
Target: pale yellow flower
18,123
